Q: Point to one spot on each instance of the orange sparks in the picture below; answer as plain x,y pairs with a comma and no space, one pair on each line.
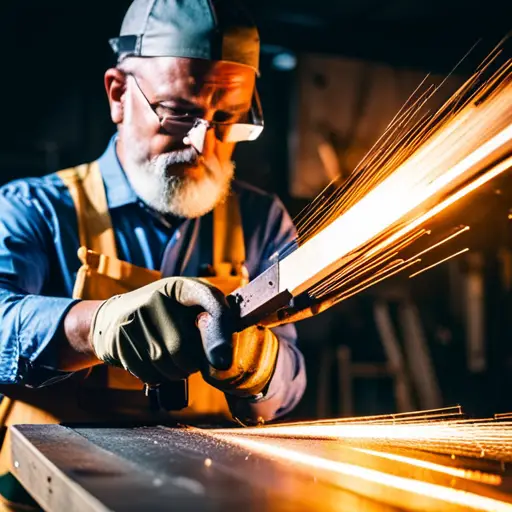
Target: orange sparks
355,229
439,263
443,241
354,476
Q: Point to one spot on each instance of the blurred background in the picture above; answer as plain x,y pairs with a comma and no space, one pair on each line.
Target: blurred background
333,74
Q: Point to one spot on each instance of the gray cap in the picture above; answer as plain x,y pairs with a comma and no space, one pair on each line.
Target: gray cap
201,29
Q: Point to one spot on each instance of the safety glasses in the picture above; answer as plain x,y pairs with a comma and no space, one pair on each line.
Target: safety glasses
247,128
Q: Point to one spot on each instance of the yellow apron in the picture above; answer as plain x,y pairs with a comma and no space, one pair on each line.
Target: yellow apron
101,276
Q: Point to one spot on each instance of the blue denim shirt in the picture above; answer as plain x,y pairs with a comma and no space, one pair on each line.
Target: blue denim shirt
38,266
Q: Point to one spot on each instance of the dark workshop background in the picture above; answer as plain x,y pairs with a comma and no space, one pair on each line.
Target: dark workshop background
451,329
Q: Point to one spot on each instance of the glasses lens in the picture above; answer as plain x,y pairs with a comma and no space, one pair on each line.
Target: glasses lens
248,128
176,127
237,132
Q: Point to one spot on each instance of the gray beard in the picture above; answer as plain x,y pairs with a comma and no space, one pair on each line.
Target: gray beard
182,196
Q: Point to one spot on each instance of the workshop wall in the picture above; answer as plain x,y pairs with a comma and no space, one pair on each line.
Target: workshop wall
341,109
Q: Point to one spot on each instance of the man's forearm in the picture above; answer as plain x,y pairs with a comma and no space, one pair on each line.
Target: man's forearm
75,349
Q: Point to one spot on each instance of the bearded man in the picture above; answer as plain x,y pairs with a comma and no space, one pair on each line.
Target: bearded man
163,234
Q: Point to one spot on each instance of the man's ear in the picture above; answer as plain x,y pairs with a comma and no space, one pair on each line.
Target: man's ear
115,85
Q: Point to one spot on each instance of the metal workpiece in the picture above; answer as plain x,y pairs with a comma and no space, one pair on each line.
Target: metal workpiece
158,468
265,301
262,297
258,469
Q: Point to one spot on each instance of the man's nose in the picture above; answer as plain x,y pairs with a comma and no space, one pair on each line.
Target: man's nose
196,135
201,137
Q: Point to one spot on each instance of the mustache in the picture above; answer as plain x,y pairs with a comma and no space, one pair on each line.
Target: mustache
187,156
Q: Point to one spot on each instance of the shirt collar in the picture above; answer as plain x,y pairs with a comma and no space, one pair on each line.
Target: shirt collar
117,187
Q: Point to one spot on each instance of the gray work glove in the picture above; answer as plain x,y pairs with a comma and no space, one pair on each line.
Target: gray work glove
152,332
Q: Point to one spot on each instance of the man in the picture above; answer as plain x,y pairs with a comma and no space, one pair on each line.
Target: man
156,204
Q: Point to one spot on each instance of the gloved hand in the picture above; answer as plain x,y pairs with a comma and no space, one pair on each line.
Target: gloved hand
253,359
152,331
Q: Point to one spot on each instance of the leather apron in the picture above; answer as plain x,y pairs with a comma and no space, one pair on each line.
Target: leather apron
106,393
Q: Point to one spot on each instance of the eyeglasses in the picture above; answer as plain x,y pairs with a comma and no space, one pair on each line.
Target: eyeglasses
248,128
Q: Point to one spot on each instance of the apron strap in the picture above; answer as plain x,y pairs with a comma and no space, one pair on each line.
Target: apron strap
228,238
87,190
85,185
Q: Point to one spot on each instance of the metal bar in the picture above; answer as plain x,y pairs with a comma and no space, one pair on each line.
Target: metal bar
155,468
260,298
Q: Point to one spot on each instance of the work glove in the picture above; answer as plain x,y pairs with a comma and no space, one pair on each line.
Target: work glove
176,326
152,331
253,359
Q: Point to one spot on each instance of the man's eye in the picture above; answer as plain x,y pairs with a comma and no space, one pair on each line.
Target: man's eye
175,112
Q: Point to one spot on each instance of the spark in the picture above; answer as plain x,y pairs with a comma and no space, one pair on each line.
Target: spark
439,263
444,413
377,278
351,472
356,228
443,205
360,266
437,454
477,439
397,196
468,474
443,241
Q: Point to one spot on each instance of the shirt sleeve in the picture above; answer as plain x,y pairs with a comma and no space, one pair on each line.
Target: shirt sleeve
288,383
28,321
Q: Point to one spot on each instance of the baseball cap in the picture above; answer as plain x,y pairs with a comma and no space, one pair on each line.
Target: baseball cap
203,29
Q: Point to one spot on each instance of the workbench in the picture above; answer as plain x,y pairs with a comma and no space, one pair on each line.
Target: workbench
153,468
